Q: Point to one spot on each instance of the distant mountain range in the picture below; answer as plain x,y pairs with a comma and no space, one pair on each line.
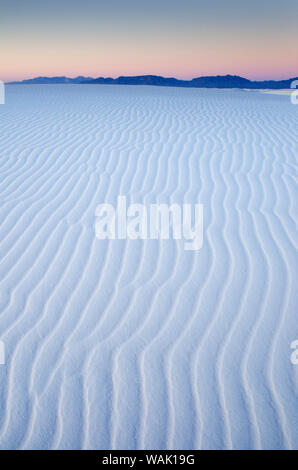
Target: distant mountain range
219,81
49,80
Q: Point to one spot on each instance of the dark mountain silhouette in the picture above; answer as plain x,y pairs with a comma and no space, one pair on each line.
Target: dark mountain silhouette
219,81
49,80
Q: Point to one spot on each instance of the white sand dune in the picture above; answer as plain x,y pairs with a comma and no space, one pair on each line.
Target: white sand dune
278,92
140,344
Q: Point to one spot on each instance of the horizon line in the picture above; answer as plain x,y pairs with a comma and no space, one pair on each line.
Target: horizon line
148,75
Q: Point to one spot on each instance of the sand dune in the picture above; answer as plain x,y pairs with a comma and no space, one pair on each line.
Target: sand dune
132,344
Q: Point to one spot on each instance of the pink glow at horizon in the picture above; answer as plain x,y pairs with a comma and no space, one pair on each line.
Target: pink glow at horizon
262,64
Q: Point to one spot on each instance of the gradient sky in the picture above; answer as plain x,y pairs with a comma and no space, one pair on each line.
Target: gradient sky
182,38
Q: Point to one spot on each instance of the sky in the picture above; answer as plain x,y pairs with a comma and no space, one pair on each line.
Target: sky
257,39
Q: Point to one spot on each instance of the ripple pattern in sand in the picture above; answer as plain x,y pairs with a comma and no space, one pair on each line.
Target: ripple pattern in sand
140,344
